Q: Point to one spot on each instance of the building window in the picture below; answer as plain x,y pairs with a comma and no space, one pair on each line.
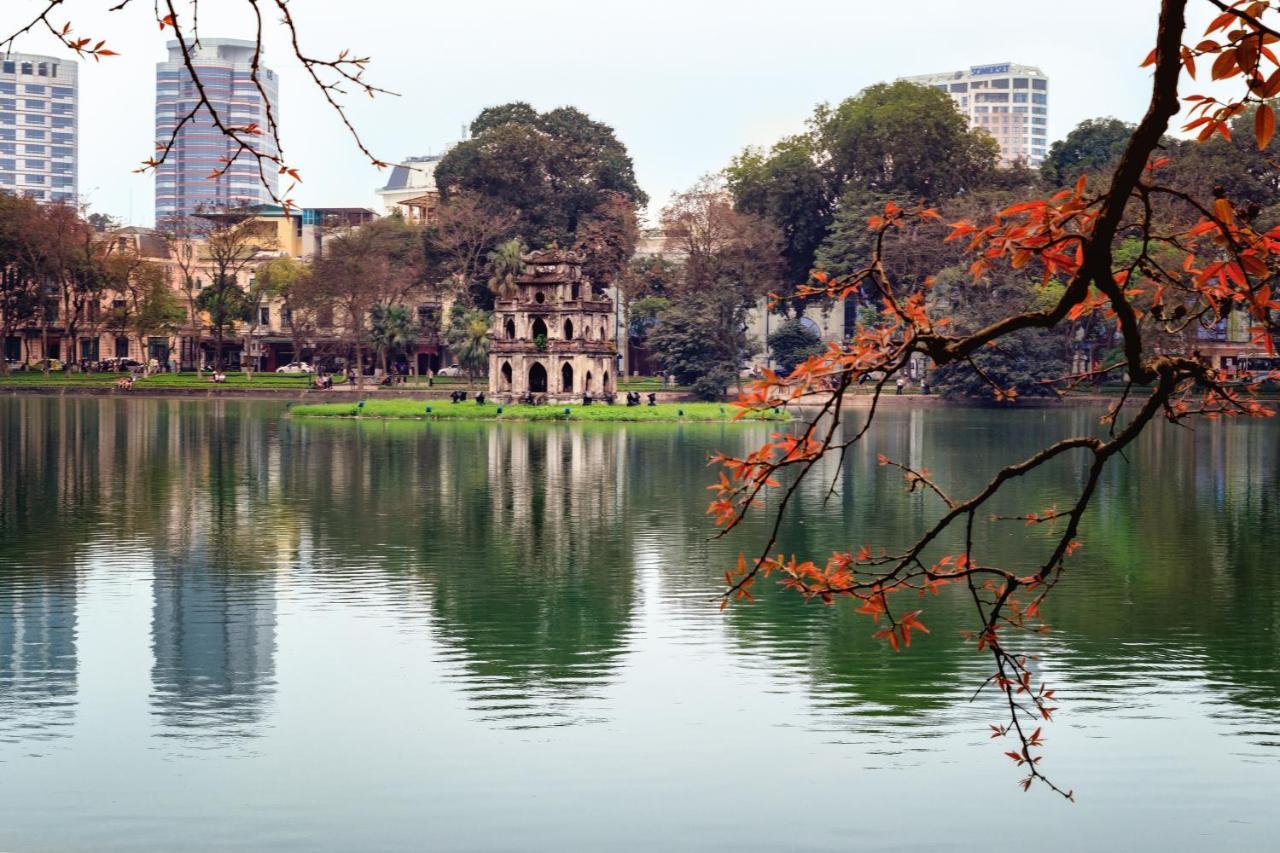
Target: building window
9,67
264,316
959,87
1021,82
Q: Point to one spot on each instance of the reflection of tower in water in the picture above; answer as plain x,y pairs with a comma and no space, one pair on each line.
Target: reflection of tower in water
37,653
538,617
213,637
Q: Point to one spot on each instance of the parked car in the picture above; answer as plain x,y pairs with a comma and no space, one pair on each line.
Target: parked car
295,367
15,365
451,370
119,364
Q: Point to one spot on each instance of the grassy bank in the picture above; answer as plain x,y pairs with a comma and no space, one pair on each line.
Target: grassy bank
55,381
444,410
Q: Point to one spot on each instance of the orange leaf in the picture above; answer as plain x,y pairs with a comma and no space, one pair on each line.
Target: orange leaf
1264,125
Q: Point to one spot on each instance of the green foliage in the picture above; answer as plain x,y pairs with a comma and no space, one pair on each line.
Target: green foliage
701,340
1237,169
791,343
391,331
893,140
1094,145
1023,361
643,315
906,140
555,168
505,263
468,337
225,303
789,188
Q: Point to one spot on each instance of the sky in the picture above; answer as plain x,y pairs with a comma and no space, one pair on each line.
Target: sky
686,84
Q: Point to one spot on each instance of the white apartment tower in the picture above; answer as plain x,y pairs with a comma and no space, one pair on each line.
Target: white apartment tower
1011,102
226,72
39,98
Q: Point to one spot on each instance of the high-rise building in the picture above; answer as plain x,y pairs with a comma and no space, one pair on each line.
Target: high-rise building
38,127
1011,102
183,181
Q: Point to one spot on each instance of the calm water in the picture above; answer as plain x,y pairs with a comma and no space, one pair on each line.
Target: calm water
221,630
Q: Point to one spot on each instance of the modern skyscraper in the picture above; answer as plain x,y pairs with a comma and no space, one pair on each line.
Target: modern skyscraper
1011,102
182,181
38,103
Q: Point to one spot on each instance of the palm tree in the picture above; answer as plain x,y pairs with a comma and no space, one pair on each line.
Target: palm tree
468,338
505,263
390,331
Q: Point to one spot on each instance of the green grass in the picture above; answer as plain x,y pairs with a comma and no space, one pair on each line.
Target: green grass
444,410
36,379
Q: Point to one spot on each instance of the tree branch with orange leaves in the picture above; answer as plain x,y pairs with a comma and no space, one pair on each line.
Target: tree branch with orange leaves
1225,265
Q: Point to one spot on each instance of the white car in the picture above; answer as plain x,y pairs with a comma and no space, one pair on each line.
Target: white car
295,367
451,370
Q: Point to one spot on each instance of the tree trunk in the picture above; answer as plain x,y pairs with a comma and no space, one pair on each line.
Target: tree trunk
198,355
359,365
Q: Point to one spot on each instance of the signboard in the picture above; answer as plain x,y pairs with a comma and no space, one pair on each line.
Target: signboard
989,69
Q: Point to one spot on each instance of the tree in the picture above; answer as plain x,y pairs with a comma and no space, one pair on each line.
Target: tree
1027,363
567,176
19,297
791,343
270,281
1093,145
790,188
391,332
731,260
1073,237
465,228
181,237
378,264
891,139
231,244
505,263
468,337
700,338
904,139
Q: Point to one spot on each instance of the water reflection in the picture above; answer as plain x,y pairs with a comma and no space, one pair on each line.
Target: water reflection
518,577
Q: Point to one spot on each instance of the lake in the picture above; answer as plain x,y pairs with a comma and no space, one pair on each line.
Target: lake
222,629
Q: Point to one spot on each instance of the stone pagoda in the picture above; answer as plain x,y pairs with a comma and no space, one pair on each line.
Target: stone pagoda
553,337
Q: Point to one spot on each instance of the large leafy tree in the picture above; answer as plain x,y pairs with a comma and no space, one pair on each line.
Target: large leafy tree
1093,145
377,265
730,261
559,170
895,139
789,186
904,139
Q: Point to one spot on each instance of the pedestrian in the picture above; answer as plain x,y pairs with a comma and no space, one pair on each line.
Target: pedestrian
901,383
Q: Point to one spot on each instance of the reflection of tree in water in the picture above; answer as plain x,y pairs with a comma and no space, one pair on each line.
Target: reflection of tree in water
1183,565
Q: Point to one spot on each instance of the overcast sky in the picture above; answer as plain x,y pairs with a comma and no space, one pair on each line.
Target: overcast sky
685,83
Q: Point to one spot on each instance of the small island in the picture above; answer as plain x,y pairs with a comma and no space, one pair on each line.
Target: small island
470,410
